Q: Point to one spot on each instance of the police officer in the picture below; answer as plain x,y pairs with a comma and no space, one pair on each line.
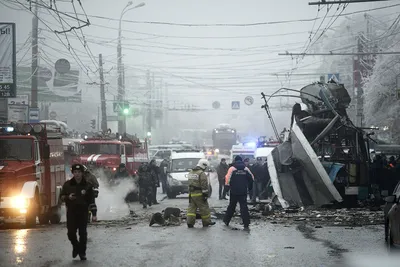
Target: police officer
239,179
91,179
198,194
146,184
77,194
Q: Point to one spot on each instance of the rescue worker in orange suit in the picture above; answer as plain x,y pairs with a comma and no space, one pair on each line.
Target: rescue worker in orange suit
78,195
198,195
239,179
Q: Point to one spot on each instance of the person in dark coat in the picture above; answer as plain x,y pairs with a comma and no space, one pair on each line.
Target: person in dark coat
222,170
146,185
155,172
122,172
239,179
77,194
163,175
260,179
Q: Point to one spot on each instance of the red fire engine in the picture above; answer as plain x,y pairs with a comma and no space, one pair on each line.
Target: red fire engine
106,153
31,173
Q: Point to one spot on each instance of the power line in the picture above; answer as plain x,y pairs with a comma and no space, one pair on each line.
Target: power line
339,54
344,2
234,24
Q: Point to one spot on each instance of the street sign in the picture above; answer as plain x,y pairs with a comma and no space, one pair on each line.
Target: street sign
334,76
33,115
235,104
18,113
216,105
62,66
8,79
53,115
249,100
21,100
45,74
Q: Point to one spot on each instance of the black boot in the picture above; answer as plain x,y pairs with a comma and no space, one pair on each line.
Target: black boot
75,251
82,256
190,225
209,224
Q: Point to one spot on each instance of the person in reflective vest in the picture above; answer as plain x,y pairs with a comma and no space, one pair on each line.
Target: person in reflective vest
198,195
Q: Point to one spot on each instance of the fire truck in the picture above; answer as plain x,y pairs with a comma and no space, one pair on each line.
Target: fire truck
31,173
106,152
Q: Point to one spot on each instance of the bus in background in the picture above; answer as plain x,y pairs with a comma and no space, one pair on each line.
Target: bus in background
224,137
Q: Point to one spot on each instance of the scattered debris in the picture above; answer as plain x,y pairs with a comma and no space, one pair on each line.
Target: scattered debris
318,226
289,247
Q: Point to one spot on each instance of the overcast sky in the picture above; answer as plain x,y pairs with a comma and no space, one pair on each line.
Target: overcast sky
201,64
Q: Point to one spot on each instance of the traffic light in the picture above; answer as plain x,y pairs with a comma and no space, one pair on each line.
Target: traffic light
93,124
125,111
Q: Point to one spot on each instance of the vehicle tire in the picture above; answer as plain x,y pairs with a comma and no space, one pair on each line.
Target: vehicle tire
32,213
44,218
171,194
55,217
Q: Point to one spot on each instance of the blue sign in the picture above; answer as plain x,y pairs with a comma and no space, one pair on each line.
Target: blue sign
33,115
334,76
235,104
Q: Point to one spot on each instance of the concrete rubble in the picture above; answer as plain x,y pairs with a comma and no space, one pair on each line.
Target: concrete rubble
315,217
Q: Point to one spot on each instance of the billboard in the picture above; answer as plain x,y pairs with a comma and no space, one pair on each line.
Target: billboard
17,113
52,86
7,60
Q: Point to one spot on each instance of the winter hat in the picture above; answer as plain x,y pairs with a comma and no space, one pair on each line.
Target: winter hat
238,158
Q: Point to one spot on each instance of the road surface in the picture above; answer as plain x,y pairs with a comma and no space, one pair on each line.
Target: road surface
122,240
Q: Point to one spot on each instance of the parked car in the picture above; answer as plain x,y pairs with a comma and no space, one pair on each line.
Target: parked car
392,217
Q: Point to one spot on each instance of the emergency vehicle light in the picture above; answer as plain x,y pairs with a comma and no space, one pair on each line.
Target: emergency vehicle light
250,144
37,128
27,128
10,129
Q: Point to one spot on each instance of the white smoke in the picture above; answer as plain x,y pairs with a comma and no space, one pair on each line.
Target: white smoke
111,200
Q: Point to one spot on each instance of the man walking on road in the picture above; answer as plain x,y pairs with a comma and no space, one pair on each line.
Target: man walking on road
78,195
261,178
198,195
240,179
222,170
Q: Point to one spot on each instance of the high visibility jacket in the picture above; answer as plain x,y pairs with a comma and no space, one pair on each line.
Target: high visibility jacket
198,182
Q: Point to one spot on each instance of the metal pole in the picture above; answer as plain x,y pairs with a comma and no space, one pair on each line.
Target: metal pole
98,118
102,97
123,99
149,111
34,69
120,90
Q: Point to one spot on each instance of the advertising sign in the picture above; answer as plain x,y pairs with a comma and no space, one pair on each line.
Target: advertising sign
18,113
7,60
19,100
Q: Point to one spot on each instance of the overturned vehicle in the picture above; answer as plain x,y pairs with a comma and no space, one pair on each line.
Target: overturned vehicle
325,158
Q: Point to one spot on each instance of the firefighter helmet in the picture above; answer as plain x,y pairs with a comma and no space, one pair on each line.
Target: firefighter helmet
203,164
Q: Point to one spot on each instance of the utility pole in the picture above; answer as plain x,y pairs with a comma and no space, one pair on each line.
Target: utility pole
149,111
34,78
123,99
102,96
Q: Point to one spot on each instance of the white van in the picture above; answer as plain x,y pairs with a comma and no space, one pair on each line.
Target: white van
182,162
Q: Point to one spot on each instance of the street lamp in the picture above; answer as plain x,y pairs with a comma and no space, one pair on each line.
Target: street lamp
121,90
